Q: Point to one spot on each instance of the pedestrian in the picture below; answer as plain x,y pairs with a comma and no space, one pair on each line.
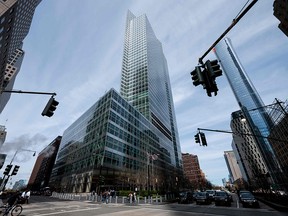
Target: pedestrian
27,196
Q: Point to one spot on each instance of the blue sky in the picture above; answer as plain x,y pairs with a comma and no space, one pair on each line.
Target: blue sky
74,48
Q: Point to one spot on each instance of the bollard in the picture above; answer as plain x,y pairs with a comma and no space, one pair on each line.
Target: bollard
161,199
123,200
116,199
145,200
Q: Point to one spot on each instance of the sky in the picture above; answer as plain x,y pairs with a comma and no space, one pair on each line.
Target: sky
74,48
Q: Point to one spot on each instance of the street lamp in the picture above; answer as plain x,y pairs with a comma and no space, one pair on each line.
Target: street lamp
18,150
150,157
5,180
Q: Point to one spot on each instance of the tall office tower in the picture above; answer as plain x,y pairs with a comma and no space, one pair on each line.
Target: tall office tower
247,152
126,141
15,20
281,13
250,104
145,82
232,165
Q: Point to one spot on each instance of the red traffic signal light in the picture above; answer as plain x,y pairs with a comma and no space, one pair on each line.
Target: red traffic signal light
50,107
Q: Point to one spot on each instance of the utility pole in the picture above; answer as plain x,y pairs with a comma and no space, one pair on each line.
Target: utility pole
242,134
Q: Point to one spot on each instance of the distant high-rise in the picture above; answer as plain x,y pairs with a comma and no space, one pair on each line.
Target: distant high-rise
15,20
232,166
129,140
192,170
281,13
145,82
250,104
43,166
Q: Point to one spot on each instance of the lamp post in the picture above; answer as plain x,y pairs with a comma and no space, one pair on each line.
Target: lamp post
18,150
5,179
149,158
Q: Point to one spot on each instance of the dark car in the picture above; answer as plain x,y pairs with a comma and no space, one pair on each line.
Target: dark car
248,200
185,197
211,193
222,198
242,192
202,198
230,195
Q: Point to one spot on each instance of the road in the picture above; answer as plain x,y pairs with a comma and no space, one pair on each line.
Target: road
45,206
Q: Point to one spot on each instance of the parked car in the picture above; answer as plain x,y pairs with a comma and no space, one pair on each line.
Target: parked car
202,198
211,194
185,197
248,200
222,198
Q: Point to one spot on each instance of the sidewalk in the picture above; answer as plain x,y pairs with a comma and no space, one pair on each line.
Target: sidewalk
283,208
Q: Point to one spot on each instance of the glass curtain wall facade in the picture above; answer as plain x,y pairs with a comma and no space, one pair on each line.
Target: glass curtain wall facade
107,148
250,103
127,140
145,79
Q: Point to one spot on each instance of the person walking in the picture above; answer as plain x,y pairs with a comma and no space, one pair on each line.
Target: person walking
27,196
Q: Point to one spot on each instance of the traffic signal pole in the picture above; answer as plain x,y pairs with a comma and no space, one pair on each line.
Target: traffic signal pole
242,134
234,22
49,108
28,92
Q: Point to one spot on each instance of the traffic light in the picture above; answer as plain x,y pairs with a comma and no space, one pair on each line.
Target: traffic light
101,179
7,169
197,76
203,139
197,139
213,68
15,170
50,107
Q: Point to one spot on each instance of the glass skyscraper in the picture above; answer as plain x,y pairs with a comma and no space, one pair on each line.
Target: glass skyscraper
145,80
126,140
250,103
